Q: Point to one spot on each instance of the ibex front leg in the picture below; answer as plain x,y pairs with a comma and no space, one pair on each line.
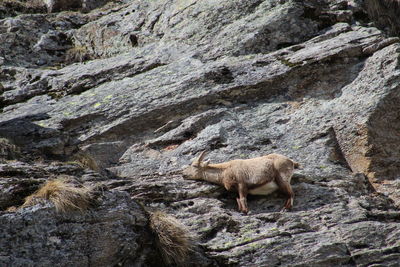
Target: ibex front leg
239,204
285,187
242,200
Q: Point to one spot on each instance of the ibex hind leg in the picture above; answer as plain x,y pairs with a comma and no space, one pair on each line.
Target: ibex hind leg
285,187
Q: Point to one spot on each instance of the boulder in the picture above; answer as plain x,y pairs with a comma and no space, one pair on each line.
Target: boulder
112,233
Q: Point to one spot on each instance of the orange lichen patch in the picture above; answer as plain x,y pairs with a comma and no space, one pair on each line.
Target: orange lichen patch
357,153
295,104
12,209
171,147
360,163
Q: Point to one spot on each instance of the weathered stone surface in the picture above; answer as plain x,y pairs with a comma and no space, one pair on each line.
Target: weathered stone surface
11,8
113,233
20,179
159,81
84,5
58,5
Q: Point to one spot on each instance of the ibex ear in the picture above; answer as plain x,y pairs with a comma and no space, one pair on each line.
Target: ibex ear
195,163
205,163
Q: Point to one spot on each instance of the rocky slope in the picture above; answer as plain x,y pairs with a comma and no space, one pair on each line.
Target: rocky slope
134,90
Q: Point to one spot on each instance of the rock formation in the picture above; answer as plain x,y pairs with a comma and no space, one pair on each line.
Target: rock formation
126,94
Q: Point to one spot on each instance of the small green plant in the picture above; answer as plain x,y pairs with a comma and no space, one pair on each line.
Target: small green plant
286,62
77,53
8,150
86,161
56,95
98,104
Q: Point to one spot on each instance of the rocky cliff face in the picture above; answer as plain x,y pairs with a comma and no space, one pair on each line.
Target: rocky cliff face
133,90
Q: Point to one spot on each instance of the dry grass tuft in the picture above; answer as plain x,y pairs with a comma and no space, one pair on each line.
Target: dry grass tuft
78,53
26,6
65,195
385,14
173,239
36,5
8,150
86,161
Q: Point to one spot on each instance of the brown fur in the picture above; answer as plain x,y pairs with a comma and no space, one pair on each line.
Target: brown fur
260,175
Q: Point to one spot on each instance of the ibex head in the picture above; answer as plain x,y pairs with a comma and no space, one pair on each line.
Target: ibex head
196,170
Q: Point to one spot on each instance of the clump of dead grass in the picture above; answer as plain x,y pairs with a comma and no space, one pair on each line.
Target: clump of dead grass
26,6
173,239
8,151
385,14
64,194
78,53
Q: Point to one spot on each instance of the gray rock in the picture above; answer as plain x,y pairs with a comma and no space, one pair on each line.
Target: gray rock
58,5
150,84
20,179
13,8
52,41
84,5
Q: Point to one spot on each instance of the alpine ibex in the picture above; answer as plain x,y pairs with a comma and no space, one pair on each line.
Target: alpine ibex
256,176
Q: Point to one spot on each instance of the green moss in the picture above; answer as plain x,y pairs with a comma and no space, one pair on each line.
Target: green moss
98,104
256,245
228,244
55,95
55,67
205,229
247,239
286,62
107,99
249,227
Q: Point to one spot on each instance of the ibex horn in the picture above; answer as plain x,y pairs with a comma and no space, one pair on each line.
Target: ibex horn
201,157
